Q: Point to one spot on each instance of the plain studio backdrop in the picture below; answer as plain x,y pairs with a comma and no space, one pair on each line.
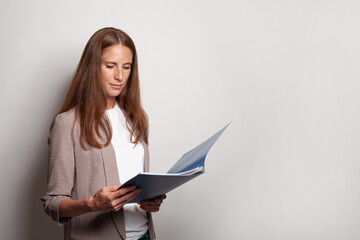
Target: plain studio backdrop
286,73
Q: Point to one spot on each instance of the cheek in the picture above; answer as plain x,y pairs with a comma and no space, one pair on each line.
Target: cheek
127,76
104,76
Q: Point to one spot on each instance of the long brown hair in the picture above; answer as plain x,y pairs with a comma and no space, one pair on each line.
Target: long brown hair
87,94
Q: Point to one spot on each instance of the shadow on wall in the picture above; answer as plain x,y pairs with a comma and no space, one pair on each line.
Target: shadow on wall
39,225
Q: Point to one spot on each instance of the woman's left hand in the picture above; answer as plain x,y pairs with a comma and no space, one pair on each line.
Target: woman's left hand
152,205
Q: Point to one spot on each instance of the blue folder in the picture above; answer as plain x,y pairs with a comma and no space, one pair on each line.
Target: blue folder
190,165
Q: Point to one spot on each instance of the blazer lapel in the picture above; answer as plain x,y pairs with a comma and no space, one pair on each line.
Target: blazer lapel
146,157
110,165
112,178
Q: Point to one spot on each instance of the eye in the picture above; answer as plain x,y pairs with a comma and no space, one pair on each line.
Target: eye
127,66
109,66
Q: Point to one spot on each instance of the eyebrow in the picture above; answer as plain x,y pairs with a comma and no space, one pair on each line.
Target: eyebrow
115,63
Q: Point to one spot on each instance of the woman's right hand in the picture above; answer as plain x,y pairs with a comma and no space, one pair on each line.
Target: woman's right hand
111,199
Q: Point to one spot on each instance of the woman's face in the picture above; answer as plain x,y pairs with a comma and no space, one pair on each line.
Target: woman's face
116,63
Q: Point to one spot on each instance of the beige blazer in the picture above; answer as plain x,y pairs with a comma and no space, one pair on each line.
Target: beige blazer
74,173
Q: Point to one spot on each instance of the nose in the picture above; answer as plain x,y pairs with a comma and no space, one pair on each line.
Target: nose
119,74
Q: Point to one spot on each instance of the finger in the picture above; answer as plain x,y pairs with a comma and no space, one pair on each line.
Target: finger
120,202
107,189
150,209
116,187
163,196
150,204
126,198
157,199
111,188
123,191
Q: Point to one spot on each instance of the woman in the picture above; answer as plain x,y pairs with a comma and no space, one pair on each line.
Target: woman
99,139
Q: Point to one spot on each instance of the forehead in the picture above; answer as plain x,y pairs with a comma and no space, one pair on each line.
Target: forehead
117,53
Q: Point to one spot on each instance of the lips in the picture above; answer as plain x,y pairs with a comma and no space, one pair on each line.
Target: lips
116,86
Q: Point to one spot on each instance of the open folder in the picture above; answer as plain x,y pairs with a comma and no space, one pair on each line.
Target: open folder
190,165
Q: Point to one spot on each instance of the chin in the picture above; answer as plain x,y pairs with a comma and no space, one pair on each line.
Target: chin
115,93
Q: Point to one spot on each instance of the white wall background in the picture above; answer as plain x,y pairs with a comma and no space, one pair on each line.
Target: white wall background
286,73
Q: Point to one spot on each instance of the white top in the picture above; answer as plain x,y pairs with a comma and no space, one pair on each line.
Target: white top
130,162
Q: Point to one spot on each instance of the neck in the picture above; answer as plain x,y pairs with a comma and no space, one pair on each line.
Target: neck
110,103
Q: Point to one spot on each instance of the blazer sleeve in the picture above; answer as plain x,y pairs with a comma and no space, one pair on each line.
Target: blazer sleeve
61,165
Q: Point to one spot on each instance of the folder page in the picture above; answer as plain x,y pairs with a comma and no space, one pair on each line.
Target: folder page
190,165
